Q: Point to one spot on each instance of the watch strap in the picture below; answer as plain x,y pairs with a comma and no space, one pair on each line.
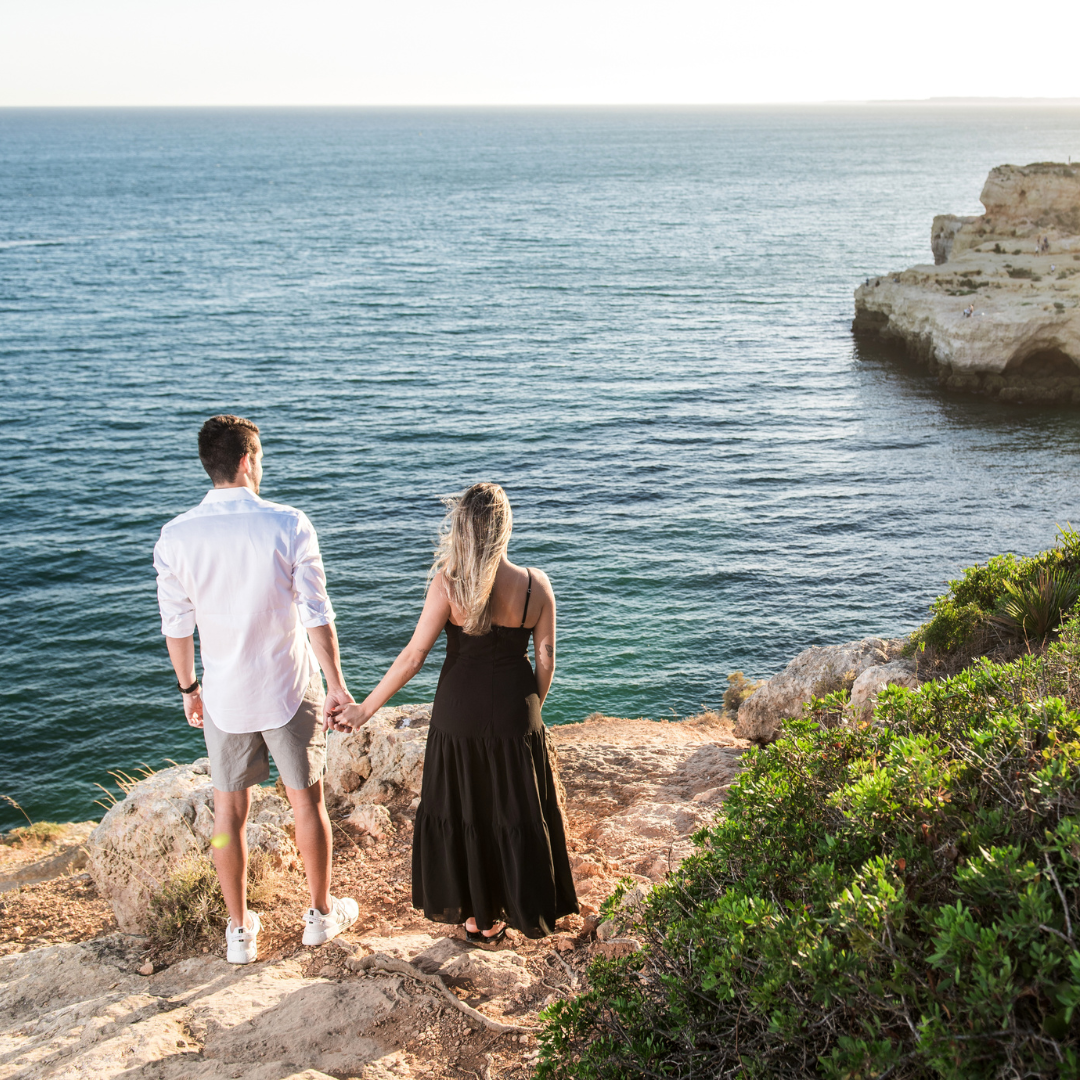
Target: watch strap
188,689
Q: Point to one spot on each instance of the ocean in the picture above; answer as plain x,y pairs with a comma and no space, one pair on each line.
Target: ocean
637,321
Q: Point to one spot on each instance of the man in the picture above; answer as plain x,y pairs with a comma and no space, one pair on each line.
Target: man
248,573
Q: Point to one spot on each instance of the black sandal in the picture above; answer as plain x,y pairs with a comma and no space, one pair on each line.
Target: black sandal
478,937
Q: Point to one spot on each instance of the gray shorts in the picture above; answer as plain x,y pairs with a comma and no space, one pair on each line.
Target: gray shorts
241,760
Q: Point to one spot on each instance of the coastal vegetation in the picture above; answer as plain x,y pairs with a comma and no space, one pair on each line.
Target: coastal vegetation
190,908
1006,606
897,898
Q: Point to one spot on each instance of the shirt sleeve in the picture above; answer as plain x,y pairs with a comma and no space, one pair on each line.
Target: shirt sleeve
309,577
177,610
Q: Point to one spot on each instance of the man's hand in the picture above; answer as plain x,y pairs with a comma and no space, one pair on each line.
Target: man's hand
335,699
349,717
193,708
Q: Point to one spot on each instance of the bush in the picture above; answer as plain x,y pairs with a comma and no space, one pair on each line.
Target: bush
739,689
1032,609
900,899
968,620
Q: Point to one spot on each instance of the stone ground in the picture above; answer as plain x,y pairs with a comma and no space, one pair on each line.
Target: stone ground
73,1002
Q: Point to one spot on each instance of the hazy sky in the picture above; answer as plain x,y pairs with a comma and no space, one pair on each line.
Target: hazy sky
161,52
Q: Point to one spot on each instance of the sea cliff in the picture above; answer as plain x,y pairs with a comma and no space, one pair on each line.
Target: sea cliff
998,312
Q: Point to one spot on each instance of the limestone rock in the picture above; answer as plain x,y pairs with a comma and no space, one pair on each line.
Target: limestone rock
371,820
995,316
631,793
814,672
873,680
79,1010
383,762
63,854
163,820
613,948
495,973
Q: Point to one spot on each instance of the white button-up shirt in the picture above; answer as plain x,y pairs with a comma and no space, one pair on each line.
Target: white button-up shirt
248,573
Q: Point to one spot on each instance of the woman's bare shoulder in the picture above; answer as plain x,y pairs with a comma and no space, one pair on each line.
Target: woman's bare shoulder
541,583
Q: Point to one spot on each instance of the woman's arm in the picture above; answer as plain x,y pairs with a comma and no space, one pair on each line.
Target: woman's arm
544,635
409,661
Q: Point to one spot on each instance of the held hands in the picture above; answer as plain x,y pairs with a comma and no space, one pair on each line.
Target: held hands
335,699
348,717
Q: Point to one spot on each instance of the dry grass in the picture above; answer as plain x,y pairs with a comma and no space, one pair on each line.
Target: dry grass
739,689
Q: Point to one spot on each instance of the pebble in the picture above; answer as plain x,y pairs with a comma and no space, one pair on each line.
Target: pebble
147,968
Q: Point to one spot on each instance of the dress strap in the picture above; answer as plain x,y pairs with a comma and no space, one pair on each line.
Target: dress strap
528,593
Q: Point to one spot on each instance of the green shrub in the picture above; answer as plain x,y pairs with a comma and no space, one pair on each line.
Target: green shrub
964,619
900,899
1032,609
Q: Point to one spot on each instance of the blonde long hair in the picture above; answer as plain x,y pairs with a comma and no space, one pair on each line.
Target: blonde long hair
473,539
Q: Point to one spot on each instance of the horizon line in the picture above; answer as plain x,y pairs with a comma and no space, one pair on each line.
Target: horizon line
937,101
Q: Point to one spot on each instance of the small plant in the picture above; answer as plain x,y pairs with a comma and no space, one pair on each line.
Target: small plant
11,802
896,900
739,689
834,683
1021,272
998,249
189,906
1018,252
1059,305
125,782
36,834
1033,609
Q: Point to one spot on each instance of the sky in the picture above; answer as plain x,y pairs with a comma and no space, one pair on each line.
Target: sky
517,52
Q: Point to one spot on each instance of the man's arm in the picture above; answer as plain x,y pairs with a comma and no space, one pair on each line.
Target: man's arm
325,643
182,655
178,626
317,614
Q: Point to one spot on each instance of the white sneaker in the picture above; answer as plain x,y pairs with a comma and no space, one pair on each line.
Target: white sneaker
241,944
319,927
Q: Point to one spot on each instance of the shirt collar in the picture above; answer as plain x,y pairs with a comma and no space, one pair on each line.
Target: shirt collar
233,494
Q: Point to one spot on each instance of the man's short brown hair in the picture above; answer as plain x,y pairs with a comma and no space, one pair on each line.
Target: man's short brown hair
223,441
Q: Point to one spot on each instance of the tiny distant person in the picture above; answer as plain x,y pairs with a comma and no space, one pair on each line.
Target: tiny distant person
248,574
489,846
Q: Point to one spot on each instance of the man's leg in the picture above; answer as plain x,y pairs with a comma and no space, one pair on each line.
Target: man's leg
230,849
314,840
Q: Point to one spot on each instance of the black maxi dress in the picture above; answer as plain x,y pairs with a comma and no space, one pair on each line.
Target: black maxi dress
489,839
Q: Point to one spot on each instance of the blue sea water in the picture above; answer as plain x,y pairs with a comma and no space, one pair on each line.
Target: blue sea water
638,321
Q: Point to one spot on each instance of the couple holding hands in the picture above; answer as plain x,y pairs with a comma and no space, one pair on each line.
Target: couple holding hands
489,847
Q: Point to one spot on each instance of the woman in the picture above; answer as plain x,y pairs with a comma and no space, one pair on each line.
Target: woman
488,844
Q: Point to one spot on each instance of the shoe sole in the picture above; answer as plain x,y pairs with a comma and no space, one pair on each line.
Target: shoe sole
321,937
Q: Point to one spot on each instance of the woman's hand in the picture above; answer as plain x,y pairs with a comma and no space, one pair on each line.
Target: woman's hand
349,717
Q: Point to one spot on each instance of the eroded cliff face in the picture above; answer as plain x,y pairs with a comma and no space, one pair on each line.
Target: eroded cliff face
999,312
1022,203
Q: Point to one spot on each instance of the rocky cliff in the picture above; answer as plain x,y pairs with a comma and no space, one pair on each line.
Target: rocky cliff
999,311
393,998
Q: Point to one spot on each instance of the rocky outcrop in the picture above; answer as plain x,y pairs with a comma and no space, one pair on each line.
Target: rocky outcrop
165,819
865,690
997,315
30,863
381,763
635,792
81,1010
815,672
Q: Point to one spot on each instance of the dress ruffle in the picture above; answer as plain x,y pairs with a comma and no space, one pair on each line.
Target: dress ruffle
489,840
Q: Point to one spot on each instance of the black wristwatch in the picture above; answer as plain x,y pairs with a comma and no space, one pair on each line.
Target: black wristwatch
188,689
